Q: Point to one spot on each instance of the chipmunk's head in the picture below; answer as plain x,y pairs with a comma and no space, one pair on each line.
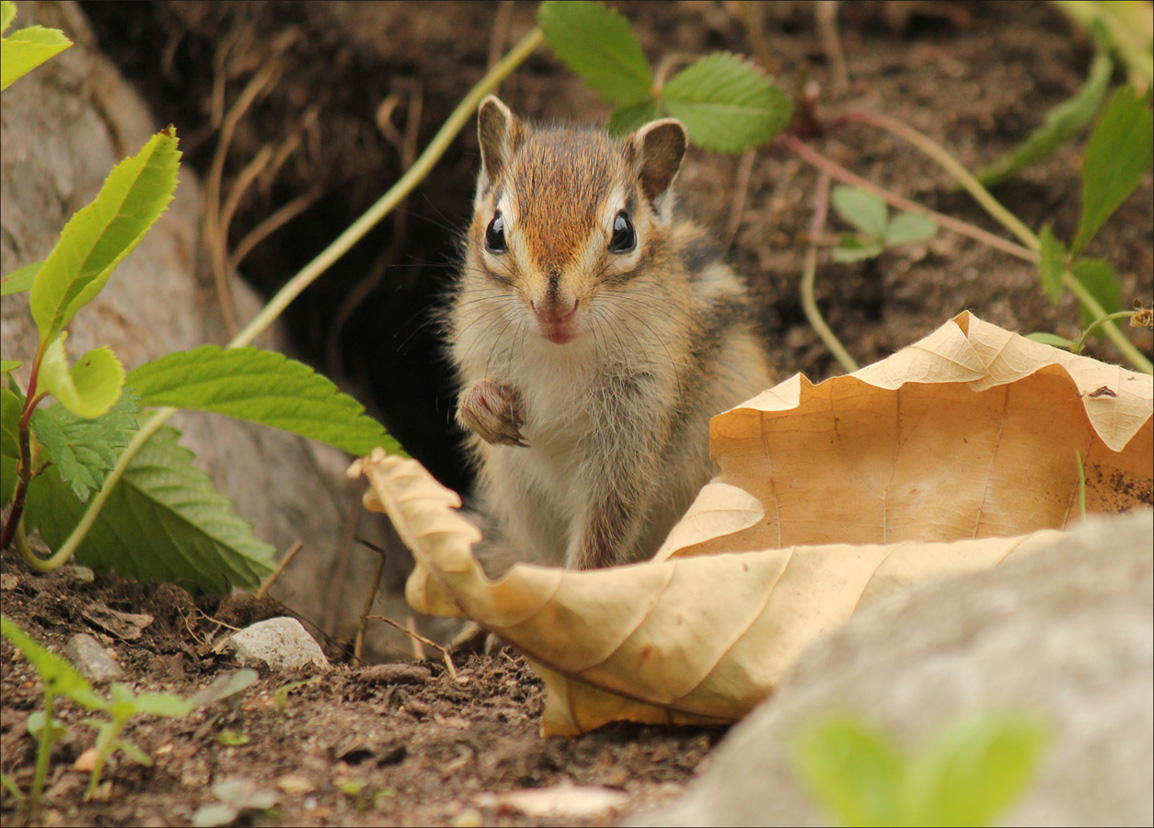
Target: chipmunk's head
564,216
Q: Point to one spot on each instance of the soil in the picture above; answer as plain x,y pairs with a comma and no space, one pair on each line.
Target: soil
409,743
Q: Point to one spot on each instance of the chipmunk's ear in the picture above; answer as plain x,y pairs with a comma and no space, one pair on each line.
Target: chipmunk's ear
499,132
656,151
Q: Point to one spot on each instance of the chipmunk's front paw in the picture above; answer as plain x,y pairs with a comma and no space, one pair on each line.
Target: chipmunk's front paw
493,411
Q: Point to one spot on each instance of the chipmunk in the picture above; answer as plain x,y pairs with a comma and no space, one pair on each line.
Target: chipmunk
594,333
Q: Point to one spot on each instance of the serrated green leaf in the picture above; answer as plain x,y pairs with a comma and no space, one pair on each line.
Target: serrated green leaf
1117,156
85,450
263,387
596,42
10,410
1052,258
1052,339
90,387
59,677
1062,123
164,521
7,14
23,51
20,280
907,228
7,365
852,249
726,104
100,235
625,119
975,768
1098,277
862,209
854,771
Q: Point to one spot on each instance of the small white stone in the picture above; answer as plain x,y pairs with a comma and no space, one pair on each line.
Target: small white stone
279,644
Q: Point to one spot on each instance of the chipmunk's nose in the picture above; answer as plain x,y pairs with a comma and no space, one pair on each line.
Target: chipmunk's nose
555,310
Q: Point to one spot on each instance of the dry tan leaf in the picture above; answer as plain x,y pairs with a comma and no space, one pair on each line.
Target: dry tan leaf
888,482
971,432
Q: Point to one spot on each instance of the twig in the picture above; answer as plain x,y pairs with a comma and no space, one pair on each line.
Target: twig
374,587
750,14
500,35
740,191
271,223
808,277
334,601
271,579
826,13
416,636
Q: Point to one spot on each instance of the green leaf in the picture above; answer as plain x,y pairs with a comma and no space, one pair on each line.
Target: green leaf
164,521
23,51
625,119
1052,339
7,365
20,280
90,387
907,228
163,704
59,677
7,479
133,752
855,772
853,249
1062,123
862,209
595,42
1098,277
85,450
1052,258
35,725
726,104
975,769
7,14
263,387
10,410
1117,156
99,236
232,738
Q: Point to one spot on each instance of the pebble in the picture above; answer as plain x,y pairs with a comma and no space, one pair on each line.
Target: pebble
91,658
278,644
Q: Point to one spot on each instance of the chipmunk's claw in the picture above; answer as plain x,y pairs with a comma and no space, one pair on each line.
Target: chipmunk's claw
492,410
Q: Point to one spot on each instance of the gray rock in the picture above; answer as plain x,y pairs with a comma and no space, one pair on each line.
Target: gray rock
1067,633
90,658
279,644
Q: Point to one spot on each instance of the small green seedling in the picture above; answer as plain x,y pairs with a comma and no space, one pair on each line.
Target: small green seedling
124,706
232,738
59,679
235,796
870,215
969,772
282,693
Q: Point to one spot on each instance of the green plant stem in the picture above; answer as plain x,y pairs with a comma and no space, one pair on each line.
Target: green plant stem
43,753
1081,343
276,306
1008,220
809,276
964,228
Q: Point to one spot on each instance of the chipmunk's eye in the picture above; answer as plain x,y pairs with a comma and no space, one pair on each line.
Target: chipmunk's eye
495,235
624,238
